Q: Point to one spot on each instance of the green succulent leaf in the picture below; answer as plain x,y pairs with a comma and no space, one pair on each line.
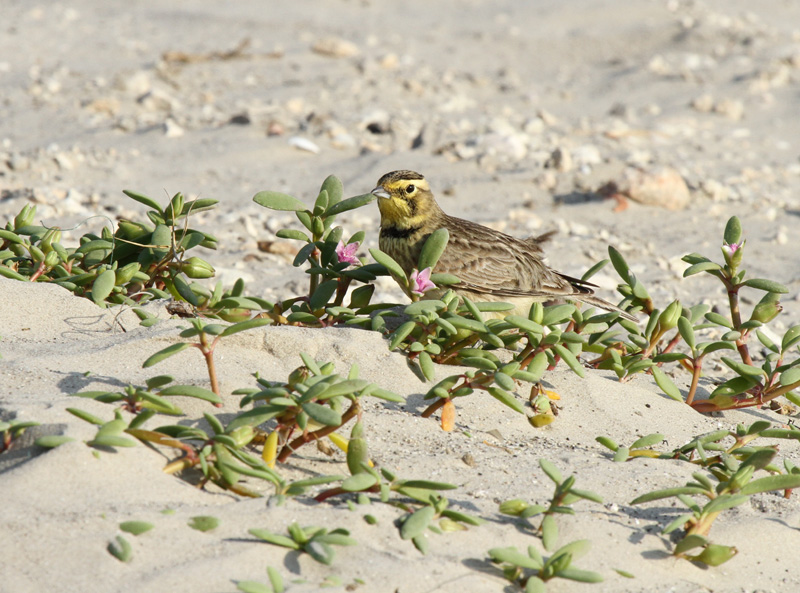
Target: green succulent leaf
769,483
581,576
549,532
790,376
142,199
568,357
433,248
349,204
245,325
733,231
274,538
253,587
51,441
359,482
704,266
506,398
790,338
165,353
386,261
204,523
278,201
515,557
275,580
10,236
619,263
11,274
323,414
689,543
766,285
666,384
648,441
193,391
323,294
416,523
726,501
120,549
103,286
136,527
667,493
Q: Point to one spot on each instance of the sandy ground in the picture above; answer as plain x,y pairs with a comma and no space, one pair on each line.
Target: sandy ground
517,113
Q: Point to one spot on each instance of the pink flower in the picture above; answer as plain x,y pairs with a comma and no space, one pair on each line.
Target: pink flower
421,281
347,253
732,248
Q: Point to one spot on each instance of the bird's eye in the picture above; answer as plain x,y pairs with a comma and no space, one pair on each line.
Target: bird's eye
410,189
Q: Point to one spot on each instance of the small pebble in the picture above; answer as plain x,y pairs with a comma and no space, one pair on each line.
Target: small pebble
335,47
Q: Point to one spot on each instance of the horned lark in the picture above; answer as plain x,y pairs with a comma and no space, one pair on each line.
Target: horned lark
491,265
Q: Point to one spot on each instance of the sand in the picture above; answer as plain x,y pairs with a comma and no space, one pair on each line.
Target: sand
485,100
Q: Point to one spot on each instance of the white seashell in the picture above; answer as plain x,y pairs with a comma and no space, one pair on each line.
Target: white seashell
303,144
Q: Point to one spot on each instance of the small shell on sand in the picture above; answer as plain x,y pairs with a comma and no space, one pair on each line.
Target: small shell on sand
303,144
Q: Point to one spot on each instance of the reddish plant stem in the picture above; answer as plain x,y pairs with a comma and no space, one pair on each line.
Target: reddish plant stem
208,353
741,346
736,318
39,272
434,406
757,400
697,365
326,494
456,348
668,348
531,355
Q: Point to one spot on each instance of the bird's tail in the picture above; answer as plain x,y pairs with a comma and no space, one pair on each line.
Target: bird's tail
596,301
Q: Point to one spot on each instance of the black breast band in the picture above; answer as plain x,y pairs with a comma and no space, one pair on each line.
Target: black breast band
396,233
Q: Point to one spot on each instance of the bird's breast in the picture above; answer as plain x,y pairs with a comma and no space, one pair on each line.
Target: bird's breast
403,245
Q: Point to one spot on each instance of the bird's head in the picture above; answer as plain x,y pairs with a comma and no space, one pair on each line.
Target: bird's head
404,197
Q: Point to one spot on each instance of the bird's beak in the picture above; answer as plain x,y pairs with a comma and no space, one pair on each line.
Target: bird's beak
380,192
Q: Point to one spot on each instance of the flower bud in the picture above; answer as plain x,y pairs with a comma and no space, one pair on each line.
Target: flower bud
25,216
51,259
126,273
242,435
175,207
318,226
36,253
536,313
195,268
130,230
732,252
513,507
669,317
298,375
50,237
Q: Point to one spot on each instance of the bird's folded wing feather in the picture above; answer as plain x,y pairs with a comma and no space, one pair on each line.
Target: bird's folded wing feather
489,262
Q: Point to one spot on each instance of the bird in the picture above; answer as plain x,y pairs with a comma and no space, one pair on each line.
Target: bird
491,265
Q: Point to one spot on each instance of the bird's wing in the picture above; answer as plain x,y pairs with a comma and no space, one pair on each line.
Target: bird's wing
490,262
